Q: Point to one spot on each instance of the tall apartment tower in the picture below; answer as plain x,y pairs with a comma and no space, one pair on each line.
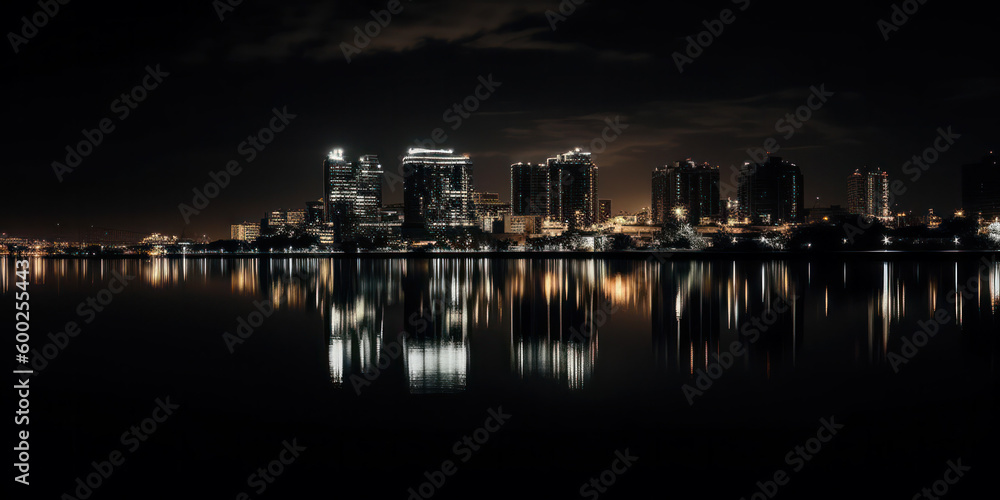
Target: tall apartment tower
340,192
437,190
660,206
686,191
530,189
868,192
352,196
573,177
368,197
771,192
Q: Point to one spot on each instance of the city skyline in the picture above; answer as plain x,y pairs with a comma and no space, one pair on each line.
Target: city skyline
368,182
434,249
563,192
868,100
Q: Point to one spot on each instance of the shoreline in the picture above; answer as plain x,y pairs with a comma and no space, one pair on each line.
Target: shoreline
664,256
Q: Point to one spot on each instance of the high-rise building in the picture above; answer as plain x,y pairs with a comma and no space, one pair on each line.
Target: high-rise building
868,192
353,195
247,231
437,189
661,195
686,191
530,189
981,188
368,199
573,184
604,212
340,193
771,192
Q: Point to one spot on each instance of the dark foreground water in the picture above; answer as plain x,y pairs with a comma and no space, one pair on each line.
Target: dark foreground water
823,384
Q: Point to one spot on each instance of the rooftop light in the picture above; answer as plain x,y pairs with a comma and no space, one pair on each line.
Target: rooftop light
414,151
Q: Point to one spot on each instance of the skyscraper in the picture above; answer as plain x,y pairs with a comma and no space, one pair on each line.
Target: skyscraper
661,191
573,178
530,189
981,188
353,195
368,198
686,191
437,189
339,195
771,192
868,192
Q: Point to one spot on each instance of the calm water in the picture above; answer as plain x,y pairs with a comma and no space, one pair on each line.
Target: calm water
589,357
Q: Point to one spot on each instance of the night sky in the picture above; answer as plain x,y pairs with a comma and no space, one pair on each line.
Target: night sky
606,59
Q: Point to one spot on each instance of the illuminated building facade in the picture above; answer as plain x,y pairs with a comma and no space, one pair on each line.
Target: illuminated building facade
295,217
341,190
489,209
686,191
437,190
489,205
368,198
276,218
247,231
771,192
661,200
522,224
353,195
530,189
283,221
868,192
573,184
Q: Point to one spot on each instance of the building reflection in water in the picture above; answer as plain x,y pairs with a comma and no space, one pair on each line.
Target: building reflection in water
547,318
557,310
356,294
886,306
994,287
700,308
439,296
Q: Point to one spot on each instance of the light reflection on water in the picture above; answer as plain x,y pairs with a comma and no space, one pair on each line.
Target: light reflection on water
553,315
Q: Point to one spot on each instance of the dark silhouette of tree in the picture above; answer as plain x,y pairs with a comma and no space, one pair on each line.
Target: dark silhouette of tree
622,241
